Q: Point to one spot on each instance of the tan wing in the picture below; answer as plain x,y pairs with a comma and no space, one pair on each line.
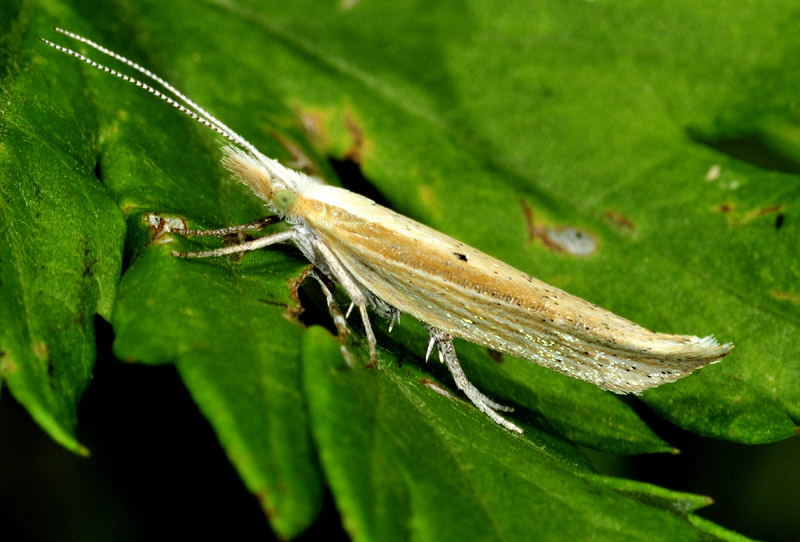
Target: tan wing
471,295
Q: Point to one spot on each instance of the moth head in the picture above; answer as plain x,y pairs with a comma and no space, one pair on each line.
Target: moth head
274,183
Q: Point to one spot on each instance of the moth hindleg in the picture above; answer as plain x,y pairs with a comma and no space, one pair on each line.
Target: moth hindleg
447,353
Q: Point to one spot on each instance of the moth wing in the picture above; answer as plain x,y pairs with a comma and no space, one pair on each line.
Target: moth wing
468,294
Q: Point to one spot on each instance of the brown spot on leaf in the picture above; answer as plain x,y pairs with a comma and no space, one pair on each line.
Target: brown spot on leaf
725,208
263,499
313,124
160,224
768,210
300,159
270,302
742,218
785,296
566,239
40,350
7,365
621,221
356,150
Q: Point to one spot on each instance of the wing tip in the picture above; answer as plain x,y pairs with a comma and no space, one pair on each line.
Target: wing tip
709,347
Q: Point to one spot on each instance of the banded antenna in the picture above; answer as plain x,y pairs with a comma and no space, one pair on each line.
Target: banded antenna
190,109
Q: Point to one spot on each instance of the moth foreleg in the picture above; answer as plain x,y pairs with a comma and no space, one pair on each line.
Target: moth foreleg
261,242
255,225
447,353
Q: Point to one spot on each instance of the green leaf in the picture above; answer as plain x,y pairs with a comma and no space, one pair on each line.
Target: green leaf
237,351
60,237
407,461
509,127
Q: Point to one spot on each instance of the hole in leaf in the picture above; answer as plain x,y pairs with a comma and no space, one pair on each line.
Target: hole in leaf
352,178
98,170
315,310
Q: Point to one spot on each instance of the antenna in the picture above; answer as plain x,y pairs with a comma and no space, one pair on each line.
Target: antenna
191,109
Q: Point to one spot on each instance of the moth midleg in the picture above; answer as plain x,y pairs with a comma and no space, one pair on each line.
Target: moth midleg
338,318
447,353
352,290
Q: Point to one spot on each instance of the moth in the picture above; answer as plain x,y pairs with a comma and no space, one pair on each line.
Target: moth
394,265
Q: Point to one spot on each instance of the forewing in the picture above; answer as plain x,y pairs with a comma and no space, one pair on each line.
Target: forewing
468,294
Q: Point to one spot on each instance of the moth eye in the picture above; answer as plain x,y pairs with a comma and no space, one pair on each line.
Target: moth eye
283,200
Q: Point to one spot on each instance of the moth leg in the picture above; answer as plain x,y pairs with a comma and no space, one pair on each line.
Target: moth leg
371,340
448,354
261,242
353,291
338,318
394,318
255,225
